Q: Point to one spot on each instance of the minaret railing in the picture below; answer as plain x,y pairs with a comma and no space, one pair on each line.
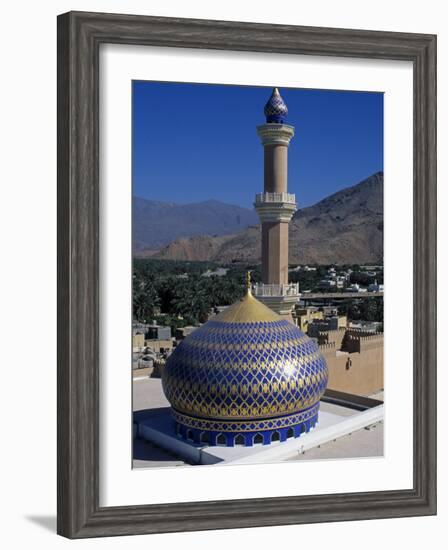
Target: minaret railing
262,198
263,289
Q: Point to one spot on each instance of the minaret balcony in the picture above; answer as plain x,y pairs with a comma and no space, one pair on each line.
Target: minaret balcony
275,207
262,198
263,290
280,298
275,134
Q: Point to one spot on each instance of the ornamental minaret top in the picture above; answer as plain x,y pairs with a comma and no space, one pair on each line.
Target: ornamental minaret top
275,207
275,109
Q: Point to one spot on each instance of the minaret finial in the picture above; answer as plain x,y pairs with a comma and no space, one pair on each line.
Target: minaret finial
275,109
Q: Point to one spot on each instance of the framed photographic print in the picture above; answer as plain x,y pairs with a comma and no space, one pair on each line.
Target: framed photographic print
246,274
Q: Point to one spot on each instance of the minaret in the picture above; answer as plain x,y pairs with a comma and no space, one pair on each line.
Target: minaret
275,207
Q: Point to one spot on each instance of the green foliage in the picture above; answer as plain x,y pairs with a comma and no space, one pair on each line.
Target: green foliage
362,278
308,280
181,292
177,293
365,309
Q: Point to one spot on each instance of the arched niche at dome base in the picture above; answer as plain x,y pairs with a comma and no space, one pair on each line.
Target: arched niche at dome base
239,440
221,439
272,430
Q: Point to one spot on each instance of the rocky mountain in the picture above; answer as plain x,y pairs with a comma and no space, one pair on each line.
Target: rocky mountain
156,224
344,228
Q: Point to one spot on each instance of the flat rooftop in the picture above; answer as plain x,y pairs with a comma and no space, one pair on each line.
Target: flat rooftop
149,401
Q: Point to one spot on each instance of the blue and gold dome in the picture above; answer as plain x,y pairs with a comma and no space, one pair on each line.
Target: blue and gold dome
248,376
275,109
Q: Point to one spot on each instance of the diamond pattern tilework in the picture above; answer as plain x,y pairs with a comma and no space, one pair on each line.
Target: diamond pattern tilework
246,426
275,109
226,371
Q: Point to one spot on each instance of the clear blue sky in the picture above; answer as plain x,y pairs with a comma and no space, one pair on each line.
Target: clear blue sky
194,142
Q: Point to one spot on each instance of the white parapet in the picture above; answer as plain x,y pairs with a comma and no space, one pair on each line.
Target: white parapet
263,198
275,207
279,298
262,290
159,429
328,429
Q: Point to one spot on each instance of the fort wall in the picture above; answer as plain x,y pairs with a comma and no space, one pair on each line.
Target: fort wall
336,336
359,372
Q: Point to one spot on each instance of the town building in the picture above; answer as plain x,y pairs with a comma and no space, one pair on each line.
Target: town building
375,287
160,345
218,272
368,327
150,343
304,316
153,336
138,342
327,284
157,332
183,332
328,324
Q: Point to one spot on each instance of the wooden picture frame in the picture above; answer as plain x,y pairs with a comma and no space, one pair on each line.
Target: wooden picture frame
79,38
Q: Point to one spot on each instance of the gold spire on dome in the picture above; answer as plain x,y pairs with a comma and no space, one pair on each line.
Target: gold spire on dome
247,310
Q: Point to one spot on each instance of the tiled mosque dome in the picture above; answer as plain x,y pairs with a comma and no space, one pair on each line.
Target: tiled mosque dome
248,376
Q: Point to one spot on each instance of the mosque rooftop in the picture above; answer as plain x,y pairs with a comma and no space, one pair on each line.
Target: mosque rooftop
353,426
246,376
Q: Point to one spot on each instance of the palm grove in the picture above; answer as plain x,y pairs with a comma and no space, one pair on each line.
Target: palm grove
178,293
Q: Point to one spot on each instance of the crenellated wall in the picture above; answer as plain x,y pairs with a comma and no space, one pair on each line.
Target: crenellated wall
327,347
335,336
358,340
359,371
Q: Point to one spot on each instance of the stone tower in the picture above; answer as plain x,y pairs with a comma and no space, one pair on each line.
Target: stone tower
275,207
